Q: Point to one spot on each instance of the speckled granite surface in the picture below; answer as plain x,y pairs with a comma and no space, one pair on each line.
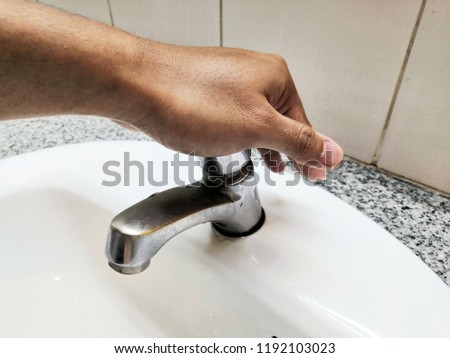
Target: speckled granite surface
419,218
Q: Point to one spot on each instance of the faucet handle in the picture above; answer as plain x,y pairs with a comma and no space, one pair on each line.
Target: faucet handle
221,169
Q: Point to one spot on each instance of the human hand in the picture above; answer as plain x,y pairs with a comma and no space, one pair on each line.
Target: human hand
204,100
217,101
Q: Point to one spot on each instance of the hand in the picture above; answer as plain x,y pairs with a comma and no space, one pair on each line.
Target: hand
207,101
216,101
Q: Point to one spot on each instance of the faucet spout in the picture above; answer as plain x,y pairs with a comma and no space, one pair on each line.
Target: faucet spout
139,232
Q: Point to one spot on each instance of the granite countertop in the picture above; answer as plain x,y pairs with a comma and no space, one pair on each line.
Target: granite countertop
417,217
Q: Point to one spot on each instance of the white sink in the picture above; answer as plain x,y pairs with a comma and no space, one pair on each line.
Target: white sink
317,267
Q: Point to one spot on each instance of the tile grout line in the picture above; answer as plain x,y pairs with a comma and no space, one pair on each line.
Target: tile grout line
387,121
110,13
221,22
422,186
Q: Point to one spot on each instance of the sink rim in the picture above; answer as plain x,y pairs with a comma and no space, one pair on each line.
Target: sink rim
42,174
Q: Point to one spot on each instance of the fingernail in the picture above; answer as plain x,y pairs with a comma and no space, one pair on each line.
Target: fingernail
332,153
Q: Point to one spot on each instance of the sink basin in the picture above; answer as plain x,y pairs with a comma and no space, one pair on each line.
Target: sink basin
317,268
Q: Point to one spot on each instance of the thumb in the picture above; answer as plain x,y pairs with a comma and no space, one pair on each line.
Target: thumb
333,153
303,144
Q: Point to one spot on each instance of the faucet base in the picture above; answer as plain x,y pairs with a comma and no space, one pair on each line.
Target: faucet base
220,230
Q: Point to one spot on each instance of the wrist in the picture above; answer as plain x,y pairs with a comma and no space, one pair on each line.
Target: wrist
127,86
114,66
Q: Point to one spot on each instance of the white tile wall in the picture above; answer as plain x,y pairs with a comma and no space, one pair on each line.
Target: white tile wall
345,57
182,22
94,9
417,143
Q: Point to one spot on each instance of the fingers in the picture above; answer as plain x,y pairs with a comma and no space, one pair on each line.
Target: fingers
312,152
333,153
272,159
311,172
297,140
275,163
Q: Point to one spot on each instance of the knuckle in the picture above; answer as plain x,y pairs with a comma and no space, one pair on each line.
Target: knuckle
280,62
279,59
276,61
305,140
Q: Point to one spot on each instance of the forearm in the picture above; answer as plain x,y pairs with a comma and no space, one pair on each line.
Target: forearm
52,62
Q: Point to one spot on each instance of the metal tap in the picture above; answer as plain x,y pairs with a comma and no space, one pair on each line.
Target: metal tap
226,196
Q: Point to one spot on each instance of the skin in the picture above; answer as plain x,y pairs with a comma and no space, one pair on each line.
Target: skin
204,100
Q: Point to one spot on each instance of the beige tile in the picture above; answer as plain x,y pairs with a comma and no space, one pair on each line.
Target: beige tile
345,57
417,143
193,22
94,9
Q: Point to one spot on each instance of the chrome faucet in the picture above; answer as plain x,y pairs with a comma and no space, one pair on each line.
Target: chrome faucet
226,196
